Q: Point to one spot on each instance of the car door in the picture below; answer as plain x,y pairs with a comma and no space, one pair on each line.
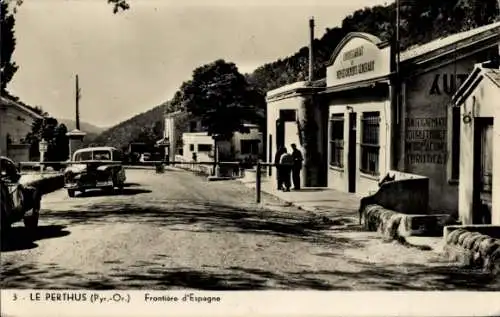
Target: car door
10,177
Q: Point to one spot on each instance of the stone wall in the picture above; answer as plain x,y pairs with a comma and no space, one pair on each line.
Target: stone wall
474,248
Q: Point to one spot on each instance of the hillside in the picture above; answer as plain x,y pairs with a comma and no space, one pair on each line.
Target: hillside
419,24
144,127
84,126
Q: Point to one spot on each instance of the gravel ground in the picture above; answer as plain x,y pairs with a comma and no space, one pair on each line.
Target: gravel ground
178,231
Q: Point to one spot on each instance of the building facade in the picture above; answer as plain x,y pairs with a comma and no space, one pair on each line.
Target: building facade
358,98
242,146
16,122
363,131
428,129
172,133
478,101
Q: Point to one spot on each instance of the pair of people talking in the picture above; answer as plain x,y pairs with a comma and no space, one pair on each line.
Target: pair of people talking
288,164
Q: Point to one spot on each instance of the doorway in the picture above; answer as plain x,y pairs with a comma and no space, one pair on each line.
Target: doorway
280,134
351,154
483,167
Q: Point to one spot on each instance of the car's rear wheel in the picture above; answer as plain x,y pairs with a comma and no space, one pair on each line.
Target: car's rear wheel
71,192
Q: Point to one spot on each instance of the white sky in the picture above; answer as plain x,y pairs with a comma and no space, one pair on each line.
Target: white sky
133,61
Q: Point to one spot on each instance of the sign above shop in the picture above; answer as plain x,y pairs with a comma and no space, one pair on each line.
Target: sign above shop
358,57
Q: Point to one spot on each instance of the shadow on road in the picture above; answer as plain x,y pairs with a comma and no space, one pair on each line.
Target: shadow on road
370,277
124,192
18,238
131,185
208,217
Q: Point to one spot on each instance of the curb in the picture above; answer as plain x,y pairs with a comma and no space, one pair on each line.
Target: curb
393,226
474,249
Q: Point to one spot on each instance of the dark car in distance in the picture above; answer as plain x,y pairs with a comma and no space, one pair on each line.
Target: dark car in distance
95,168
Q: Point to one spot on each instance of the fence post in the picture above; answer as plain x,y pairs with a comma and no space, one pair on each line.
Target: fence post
258,182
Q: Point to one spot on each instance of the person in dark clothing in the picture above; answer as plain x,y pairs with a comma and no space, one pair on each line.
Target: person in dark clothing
279,169
286,163
297,166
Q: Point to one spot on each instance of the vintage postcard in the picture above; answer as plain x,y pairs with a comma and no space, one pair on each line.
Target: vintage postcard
250,157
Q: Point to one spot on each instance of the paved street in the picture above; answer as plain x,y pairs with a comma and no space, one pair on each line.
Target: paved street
177,231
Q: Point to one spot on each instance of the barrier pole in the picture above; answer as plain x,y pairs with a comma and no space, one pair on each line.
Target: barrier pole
258,182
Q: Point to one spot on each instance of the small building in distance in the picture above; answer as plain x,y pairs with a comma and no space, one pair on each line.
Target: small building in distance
241,147
16,121
186,135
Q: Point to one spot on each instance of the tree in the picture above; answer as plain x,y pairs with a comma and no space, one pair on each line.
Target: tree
222,98
7,45
50,130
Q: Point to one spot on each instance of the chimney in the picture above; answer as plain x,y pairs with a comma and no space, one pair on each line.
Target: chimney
311,40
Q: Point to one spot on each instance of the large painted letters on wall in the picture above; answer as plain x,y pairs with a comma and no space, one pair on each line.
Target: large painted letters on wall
426,140
446,83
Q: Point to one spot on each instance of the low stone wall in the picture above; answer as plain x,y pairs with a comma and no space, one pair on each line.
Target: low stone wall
46,184
384,221
395,226
407,196
472,247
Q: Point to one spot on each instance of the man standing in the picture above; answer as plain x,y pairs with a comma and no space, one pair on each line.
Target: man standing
279,170
297,166
286,164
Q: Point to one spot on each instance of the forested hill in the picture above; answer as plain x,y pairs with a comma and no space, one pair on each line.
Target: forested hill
421,22
144,127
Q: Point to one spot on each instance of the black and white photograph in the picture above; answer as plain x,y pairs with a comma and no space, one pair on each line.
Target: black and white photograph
254,145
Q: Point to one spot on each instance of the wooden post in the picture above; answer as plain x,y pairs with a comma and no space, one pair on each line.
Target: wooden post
258,182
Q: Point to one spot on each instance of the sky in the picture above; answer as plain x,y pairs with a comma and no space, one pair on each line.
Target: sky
131,62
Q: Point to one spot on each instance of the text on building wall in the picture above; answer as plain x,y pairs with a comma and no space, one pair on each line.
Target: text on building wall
446,83
356,69
426,140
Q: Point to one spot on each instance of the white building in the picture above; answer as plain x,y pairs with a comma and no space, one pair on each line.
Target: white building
240,147
16,122
478,101
172,133
353,130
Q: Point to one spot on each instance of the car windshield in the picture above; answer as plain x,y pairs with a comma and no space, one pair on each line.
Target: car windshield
100,155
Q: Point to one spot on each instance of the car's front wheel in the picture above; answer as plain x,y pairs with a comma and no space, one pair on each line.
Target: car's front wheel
71,192
31,220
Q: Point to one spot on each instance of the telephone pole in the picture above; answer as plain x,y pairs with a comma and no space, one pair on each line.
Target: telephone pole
77,102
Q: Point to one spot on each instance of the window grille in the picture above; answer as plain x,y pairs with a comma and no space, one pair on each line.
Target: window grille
337,140
370,143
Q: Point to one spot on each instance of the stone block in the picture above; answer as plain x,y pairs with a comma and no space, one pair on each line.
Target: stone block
424,225
471,246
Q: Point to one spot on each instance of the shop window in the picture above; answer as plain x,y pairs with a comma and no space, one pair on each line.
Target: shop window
249,147
191,147
204,147
370,143
337,140
455,143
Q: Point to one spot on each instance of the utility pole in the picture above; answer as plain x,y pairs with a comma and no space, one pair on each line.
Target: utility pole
77,102
398,59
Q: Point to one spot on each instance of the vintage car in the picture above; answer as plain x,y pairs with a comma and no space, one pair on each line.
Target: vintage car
95,168
17,201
